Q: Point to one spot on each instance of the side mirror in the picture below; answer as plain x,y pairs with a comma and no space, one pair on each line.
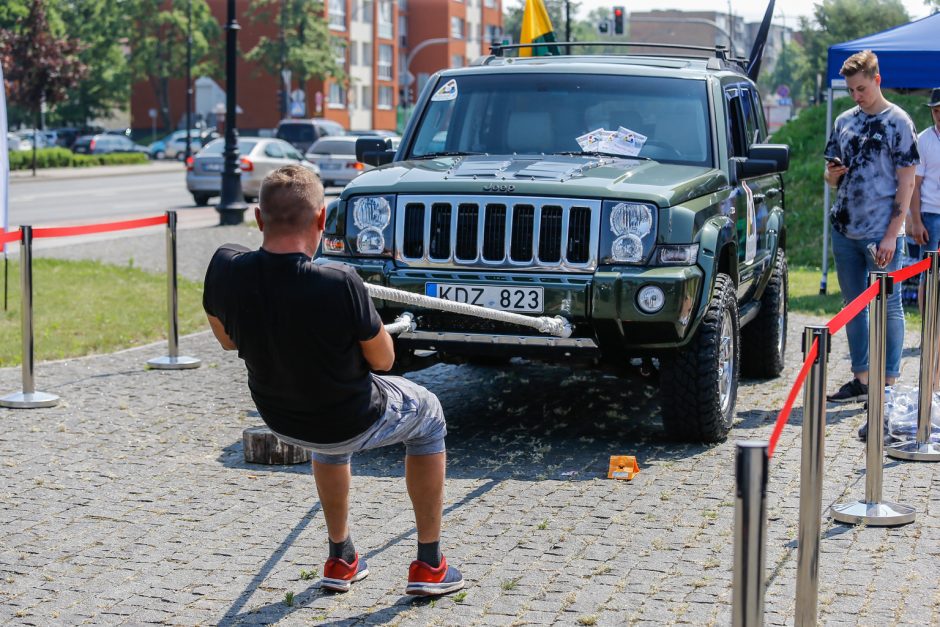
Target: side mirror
374,151
763,159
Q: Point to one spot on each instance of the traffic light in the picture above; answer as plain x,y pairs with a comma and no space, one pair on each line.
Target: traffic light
603,27
618,20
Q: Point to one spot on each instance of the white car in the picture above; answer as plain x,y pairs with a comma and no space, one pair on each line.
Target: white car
336,157
257,156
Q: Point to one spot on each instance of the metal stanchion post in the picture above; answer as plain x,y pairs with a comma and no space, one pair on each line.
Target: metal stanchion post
173,361
29,398
750,533
873,511
922,449
811,477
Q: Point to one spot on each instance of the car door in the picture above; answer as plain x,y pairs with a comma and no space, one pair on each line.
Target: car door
753,196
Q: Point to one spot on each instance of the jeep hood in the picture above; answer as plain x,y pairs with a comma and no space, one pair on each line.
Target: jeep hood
663,184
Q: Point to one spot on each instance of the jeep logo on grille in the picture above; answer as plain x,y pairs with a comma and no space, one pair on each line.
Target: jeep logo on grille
495,187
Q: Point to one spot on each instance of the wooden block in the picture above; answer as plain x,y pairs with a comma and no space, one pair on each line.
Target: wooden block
263,447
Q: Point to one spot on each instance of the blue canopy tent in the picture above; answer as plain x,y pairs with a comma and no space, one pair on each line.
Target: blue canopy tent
908,57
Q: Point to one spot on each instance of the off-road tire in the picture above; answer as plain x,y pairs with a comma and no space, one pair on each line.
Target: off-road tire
690,377
763,341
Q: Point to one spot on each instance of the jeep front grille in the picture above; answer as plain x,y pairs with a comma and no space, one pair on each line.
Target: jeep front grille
510,232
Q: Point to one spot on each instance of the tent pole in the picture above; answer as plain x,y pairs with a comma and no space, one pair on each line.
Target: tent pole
825,244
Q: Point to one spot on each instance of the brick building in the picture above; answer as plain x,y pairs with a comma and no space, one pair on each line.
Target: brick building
374,39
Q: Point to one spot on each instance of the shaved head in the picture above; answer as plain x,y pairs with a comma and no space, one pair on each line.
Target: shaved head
290,199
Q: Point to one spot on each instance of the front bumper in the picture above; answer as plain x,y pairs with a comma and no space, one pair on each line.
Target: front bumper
602,307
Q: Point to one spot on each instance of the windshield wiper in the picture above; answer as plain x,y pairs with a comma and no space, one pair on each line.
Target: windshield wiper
447,153
594,153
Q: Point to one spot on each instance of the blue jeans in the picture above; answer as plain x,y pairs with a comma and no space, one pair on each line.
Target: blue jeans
853,263
932,223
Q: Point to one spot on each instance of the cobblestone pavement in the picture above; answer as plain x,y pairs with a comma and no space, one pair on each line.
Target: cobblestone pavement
131,503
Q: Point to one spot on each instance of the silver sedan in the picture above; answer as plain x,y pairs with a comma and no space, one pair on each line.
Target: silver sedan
257,157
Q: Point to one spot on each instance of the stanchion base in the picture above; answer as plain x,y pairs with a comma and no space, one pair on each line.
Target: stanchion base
915,451
180,362
883,514
29,400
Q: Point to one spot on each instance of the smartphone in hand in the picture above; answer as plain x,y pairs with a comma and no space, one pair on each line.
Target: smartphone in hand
836,161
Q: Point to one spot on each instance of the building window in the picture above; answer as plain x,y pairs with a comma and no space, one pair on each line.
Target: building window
366,101
456,27
353,54
385,19
385,62
456,61
490,4
492,34
402,5
365,11
402,66
337,96
367,54
339,53
338,14
386,97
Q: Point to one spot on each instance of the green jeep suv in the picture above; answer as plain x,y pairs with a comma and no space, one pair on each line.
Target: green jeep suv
635,196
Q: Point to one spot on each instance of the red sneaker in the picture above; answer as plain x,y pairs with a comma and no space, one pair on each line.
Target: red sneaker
338,575
425,580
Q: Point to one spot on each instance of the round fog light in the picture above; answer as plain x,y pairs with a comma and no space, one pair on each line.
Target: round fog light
650,299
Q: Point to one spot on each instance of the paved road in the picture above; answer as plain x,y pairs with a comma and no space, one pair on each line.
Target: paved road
103,198
130,503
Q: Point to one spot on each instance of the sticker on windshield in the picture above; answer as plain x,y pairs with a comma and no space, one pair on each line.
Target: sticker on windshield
447,92
623,141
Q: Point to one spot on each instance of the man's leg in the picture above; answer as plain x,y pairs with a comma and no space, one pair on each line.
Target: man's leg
424,476
852,266
333,481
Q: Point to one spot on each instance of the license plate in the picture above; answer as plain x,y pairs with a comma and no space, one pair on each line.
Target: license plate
331,166
525,299
212,167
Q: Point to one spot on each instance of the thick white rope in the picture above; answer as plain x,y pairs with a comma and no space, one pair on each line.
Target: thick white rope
404,322
556,326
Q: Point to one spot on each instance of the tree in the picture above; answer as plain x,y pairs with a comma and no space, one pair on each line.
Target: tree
46,66
789,70
102,28
306,47
835,21
157,37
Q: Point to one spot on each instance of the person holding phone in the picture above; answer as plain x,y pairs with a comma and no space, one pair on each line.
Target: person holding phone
870,157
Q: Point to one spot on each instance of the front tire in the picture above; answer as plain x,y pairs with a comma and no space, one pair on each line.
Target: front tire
699,383
764,339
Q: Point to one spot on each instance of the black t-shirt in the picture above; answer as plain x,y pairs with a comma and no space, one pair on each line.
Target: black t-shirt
297,324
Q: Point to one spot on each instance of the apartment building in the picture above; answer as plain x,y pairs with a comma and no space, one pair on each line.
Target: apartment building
373,42
444,34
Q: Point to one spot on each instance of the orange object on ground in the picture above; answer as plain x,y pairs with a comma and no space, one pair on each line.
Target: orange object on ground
623,467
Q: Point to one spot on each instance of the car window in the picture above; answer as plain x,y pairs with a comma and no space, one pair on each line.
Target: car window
327,128
217,147
290,152
274,151
334,147
743,123
124,142
296,132
546,113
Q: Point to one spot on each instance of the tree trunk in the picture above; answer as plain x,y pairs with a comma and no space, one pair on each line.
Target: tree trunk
263,447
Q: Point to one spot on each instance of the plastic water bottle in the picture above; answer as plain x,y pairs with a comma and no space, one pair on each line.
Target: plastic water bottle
901,412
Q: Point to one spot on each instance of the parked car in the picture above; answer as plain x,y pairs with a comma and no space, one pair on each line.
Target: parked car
32,136
257,157
176,144
302,133
15,143
105,144
336,157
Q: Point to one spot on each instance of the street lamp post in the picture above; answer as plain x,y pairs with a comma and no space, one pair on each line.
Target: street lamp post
232,205
189,83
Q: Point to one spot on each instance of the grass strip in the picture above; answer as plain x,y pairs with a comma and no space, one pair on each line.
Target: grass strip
87,307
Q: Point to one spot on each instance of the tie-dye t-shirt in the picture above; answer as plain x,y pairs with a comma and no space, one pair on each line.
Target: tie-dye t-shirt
873,147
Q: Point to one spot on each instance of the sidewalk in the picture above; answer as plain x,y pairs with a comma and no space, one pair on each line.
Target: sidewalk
130,502
50,174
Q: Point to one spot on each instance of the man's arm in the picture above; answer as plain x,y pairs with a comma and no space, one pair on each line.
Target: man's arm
917,230
379,351
902,201
218,329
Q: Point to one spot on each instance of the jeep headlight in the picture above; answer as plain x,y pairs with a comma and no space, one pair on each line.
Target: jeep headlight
630,232
370,230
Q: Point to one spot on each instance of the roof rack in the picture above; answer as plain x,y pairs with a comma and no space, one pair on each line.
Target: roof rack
718,52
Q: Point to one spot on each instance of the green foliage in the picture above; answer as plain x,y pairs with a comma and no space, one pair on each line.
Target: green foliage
835,21
790,70
63,158
158,33
86,307
806,136
308,50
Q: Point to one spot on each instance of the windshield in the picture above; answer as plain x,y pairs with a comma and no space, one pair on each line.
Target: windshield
296,132
665,119
333,147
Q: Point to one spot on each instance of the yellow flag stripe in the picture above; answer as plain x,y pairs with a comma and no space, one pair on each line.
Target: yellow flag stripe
535,22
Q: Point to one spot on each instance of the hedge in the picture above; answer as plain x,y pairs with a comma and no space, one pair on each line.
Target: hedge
64,158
